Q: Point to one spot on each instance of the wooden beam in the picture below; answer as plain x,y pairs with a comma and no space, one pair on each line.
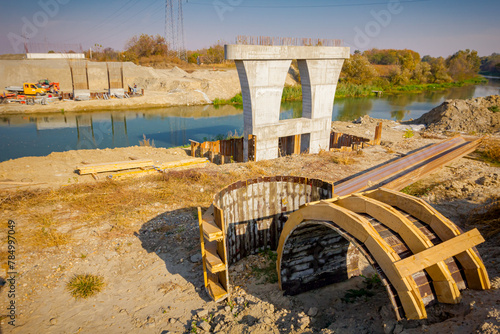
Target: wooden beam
183,163
113,166
475,272
211,231
431,164
202,242
378,134
440,252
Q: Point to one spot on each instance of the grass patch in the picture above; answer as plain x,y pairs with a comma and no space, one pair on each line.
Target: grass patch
84,286
370,283
343,159
494,109
292,93
237,99
268,272
408,134
418,189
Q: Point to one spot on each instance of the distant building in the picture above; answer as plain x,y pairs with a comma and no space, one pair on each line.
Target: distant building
55,56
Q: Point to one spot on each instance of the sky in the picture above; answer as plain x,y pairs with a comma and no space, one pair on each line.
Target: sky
430,27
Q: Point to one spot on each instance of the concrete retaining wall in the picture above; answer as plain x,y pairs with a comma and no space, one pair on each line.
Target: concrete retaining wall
256,210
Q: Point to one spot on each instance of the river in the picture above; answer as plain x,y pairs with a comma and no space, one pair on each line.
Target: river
39,135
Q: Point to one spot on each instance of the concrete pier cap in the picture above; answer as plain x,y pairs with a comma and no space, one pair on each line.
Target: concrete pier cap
262,71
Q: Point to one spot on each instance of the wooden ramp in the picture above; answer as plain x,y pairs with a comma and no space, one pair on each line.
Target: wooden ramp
407,170
420,255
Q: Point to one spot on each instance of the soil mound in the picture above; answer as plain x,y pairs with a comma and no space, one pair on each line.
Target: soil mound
481,115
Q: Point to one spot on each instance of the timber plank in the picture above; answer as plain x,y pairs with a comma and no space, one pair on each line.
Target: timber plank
213,261
438,253
113,166
183,163
211,231
216,291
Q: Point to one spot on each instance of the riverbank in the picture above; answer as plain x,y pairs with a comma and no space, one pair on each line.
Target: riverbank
344,90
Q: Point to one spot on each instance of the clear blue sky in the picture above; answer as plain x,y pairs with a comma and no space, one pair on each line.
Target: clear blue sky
435,27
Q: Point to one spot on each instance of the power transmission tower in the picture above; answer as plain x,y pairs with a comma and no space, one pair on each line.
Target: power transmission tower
174,28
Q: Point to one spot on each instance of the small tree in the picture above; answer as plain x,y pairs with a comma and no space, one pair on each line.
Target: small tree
358,70
464,64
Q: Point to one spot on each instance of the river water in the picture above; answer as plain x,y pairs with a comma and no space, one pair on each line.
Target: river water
39,135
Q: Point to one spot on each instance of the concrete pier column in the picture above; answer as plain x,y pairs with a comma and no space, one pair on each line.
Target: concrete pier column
262,71
319,81
262,83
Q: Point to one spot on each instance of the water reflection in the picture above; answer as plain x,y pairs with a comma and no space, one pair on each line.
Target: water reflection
350,109
36,135
399,114
291,109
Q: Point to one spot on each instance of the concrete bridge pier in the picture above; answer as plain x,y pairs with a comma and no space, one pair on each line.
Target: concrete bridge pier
262,84
319,81
262,71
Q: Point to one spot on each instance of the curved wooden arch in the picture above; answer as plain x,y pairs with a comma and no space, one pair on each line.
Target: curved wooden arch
347,213
360,229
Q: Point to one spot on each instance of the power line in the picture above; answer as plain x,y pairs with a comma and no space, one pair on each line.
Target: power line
174,27
308,6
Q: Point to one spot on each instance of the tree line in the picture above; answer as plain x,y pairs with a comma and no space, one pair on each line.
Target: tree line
376,66
149,50
403,67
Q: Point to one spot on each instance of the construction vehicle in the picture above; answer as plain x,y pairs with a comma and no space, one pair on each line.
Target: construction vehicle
49,86
28,88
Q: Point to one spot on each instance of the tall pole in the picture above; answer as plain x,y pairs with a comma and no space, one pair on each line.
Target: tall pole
174,28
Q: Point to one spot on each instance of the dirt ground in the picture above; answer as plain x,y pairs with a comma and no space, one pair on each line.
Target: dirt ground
141,236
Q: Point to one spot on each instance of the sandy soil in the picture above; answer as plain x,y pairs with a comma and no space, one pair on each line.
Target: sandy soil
152,268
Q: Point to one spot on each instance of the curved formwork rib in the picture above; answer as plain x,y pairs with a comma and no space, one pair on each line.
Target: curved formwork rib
397,232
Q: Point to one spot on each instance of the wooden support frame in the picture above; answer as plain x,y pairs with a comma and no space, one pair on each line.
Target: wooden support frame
446,288
342,211
475,272
214,255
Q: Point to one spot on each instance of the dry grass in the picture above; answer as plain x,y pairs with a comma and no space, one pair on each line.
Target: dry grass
145,142
255,167
343,158
167,287
123,204
490,151
84,286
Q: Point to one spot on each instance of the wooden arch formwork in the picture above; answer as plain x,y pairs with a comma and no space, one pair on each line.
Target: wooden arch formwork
421,256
